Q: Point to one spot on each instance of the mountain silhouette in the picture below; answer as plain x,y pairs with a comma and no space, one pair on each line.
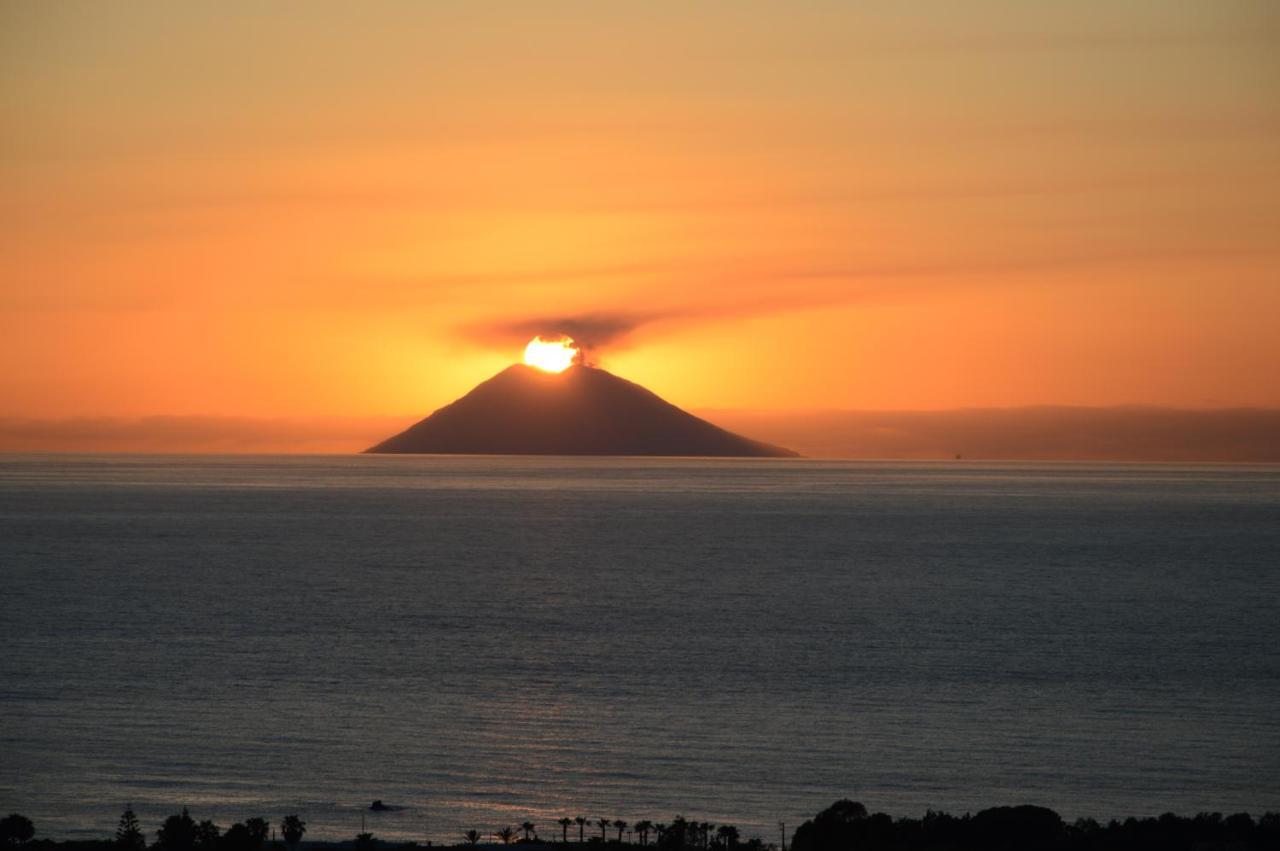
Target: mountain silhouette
581,411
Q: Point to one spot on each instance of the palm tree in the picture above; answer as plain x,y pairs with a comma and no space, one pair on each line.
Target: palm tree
582,823
706,828
564,828
527,827
642,830
506,835
604,825
728,835
680,832
472,837
621,826
661,830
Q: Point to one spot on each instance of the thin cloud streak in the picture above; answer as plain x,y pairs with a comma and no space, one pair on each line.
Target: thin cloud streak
597,330
196,434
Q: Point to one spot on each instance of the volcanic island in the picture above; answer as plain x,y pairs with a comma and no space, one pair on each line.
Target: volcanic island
554,404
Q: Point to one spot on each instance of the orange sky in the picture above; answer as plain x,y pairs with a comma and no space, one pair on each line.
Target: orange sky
324,209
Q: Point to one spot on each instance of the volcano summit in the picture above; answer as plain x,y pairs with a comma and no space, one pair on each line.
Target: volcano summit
582,410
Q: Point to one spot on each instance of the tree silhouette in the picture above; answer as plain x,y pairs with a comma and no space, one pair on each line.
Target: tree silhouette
207,836
728,836
621,826
292,828
1023,826
681,833
661,830
582,823
642,830
245,837
236,838
527,827
129,834
178,833
365,841
16,829
258,830
604,825
472,837
506,835
836,827
564,828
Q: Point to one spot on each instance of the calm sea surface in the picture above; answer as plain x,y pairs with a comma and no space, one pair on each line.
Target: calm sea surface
483,641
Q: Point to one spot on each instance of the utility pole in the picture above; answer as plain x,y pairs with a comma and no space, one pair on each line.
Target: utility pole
782,828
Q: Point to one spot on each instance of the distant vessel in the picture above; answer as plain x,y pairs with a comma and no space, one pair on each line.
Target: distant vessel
582,410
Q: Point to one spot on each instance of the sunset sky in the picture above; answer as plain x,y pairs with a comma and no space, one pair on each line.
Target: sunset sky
363,209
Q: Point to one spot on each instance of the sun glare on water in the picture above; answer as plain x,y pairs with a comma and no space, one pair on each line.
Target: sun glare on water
551,355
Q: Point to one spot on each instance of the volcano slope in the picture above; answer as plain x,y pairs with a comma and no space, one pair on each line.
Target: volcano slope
581,411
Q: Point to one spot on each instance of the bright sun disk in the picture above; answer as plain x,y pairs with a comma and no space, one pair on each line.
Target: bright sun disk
551,355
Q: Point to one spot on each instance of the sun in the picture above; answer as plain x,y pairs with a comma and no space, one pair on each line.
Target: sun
551,355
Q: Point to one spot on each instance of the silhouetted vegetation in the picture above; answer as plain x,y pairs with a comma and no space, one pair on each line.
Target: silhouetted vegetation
15,830
207,835
182,833
292,828
129,834
178,833
249,836
844,826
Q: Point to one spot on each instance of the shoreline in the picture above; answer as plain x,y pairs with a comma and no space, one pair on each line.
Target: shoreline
844,826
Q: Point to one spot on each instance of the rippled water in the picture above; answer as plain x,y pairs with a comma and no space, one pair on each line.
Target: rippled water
484,640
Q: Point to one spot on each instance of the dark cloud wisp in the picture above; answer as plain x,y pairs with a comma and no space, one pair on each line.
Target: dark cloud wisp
591,331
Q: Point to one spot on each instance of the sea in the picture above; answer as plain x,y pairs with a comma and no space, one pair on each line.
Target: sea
483,641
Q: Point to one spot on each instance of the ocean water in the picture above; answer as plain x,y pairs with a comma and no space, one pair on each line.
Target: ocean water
481,641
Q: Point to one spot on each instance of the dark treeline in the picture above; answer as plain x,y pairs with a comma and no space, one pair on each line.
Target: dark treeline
844,826
847,826
179,832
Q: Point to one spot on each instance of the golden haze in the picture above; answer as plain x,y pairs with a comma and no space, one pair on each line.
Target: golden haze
279,211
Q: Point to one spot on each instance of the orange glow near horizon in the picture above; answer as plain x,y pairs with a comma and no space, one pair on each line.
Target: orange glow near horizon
551,355
366,211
